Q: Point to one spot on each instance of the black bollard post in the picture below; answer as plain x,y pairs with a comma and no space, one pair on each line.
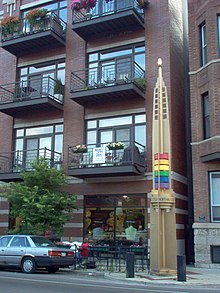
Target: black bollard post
130,265
181,268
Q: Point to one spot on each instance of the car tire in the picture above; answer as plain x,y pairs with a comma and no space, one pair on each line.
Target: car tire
52,270
28,265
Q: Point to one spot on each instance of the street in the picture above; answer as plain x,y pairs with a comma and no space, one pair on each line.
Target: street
64,281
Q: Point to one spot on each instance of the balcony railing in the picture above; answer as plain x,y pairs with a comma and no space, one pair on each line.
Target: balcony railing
98,160
49,32
12,163
120,76
105,18
30,94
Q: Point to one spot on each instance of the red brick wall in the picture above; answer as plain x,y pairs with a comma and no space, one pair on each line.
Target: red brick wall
205,79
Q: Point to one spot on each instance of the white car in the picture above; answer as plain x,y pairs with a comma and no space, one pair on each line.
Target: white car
30,252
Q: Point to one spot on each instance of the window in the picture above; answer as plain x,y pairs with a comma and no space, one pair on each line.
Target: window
203,44
206,116
215,196
122,64
40,79
116,218
215,254
122,128
53,69
34,142
4,241
219,35
59,7
18,242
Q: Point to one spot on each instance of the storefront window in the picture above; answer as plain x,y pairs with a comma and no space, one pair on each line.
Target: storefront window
116,218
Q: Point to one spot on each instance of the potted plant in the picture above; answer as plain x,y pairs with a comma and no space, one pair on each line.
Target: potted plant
115,145
10,25
35,18
78,5
140,82
143,3
58,89
80,148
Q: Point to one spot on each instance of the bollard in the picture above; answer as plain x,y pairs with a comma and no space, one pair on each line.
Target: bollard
130,265
181,268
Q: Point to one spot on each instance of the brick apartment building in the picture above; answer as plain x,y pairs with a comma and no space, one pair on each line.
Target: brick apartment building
106,58
204,53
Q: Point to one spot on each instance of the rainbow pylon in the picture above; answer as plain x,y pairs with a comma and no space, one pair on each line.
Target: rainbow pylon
162,209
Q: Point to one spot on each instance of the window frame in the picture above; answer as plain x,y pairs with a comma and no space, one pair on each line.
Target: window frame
211,196
203,43
206,116
218,32
132,126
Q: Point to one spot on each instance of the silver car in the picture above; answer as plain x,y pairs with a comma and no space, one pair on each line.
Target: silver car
30,252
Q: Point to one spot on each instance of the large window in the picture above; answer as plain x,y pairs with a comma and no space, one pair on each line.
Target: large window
58,7
116,218
34,142
203,44
127,129
40,79
215,196
54,69
206,116
219,35
112,65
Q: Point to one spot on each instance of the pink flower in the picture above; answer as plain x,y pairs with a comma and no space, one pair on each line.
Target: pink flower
74,4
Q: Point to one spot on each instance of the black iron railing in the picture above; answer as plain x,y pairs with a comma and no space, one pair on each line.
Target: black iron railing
100,155
103,8
32,88
19,160
115,73
49,22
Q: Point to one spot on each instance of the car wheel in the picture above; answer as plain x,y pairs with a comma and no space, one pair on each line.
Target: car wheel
28,265
52,270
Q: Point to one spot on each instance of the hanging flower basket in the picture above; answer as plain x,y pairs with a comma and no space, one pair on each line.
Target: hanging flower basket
10,24
80,148
36,16
78,5
115,145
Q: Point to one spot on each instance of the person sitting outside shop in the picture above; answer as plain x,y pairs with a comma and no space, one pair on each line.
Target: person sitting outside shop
84,252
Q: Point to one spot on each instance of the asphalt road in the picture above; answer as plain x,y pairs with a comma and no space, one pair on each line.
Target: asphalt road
66,282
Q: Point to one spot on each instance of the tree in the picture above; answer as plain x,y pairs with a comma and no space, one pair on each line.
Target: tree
39,202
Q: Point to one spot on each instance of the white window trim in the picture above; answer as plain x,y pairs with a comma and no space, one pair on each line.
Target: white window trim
211,197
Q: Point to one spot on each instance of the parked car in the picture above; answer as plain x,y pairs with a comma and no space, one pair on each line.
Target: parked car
30,252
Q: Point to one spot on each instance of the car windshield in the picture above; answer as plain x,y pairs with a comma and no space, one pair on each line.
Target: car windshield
42,242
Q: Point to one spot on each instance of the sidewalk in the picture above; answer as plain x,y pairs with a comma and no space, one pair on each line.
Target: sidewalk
194,276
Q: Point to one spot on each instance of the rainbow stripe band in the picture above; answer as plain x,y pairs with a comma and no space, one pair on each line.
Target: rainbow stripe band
162,173
162,156
161,168
162,185
162,179
162,162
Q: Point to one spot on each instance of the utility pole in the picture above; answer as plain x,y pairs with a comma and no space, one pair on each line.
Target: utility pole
163,258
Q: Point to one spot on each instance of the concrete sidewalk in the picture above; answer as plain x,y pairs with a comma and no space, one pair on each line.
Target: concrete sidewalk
194,276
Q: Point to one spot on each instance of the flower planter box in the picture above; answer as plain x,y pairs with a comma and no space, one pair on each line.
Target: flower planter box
80,151
116,148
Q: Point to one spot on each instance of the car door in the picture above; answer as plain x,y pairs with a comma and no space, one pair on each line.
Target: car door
4,241
15,251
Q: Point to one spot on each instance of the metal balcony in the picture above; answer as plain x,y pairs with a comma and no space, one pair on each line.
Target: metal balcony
99,161
36,94
49,33
11,164
118,80
108,18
